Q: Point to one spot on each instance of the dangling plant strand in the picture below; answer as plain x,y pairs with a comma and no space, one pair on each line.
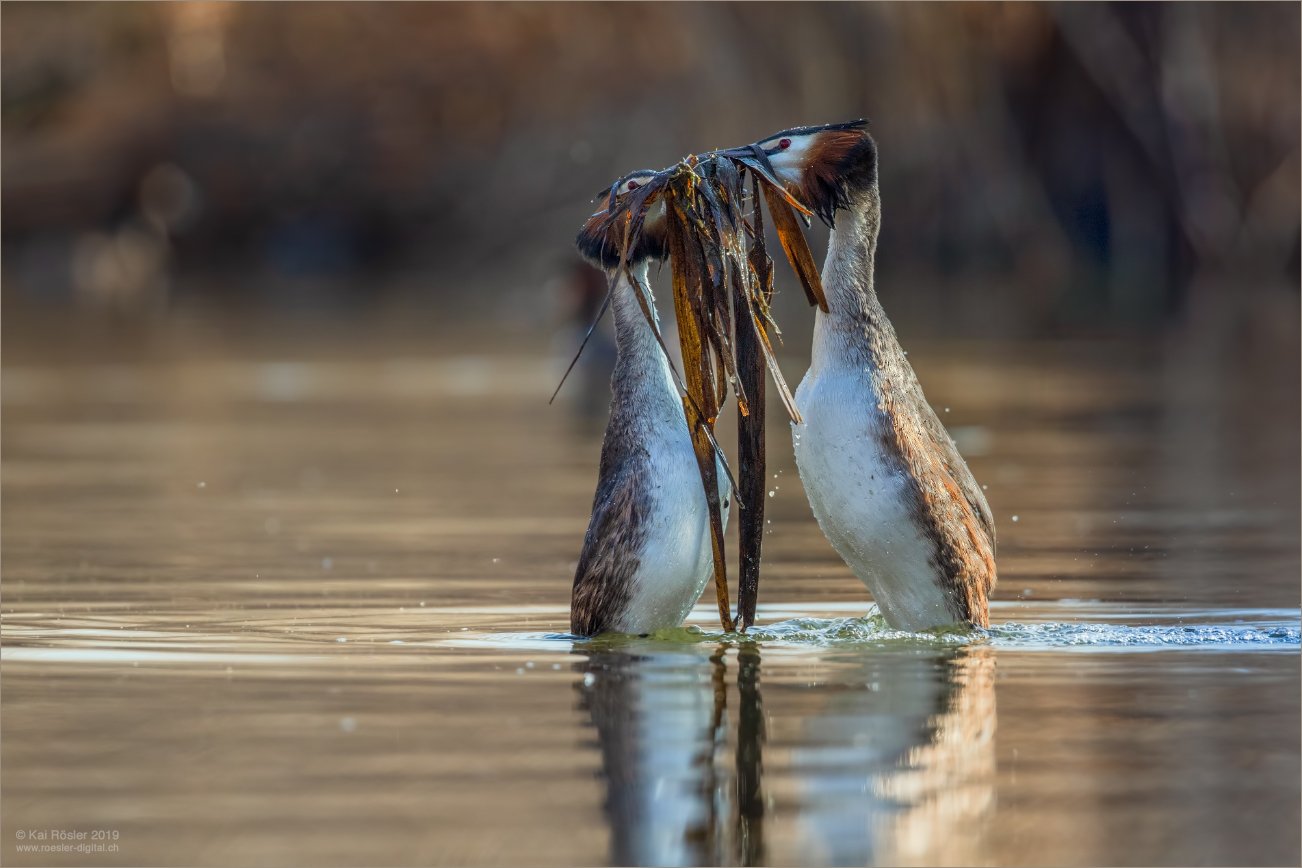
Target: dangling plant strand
605,305
751,464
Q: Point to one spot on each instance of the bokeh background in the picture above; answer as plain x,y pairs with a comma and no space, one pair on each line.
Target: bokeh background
286,288
1110,190
1079,169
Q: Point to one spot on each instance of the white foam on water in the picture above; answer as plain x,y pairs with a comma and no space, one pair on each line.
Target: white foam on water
1211,630
791,627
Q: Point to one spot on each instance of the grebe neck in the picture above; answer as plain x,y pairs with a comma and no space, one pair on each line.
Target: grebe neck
642,380
855,323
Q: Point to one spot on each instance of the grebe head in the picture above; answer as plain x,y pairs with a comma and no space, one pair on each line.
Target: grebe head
602,235
827,167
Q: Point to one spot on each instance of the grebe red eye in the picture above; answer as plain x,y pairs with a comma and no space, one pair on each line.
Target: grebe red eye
633,185
784,144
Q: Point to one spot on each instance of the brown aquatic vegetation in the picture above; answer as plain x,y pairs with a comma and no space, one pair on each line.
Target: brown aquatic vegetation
693,213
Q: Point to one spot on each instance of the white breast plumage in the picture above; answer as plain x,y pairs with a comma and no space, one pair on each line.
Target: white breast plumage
862,499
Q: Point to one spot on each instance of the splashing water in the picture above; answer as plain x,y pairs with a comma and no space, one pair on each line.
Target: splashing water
1222,637
1275,629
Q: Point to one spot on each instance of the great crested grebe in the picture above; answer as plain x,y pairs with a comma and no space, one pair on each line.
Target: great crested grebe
647,555
885,480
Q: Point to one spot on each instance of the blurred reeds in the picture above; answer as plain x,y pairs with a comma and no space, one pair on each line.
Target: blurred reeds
1078,169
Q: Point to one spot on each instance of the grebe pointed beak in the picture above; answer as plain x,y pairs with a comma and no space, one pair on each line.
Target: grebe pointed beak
737,153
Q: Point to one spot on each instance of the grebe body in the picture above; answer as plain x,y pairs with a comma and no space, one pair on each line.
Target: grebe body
647,554
885,481
863,496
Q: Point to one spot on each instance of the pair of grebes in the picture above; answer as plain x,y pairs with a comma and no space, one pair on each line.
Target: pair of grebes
885,480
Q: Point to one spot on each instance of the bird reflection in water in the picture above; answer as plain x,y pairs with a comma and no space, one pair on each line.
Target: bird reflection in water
889,760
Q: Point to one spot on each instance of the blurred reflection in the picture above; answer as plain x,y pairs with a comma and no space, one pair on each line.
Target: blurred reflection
895,759
750,758
898,766
659,718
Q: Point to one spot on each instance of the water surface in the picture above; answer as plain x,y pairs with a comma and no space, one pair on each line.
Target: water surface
284,611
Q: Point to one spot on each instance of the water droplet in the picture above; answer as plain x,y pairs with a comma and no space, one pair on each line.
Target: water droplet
1014,518
348,724
589,680
327,563
203,485
341,639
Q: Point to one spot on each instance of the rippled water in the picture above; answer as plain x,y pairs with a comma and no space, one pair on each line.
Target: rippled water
296,612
